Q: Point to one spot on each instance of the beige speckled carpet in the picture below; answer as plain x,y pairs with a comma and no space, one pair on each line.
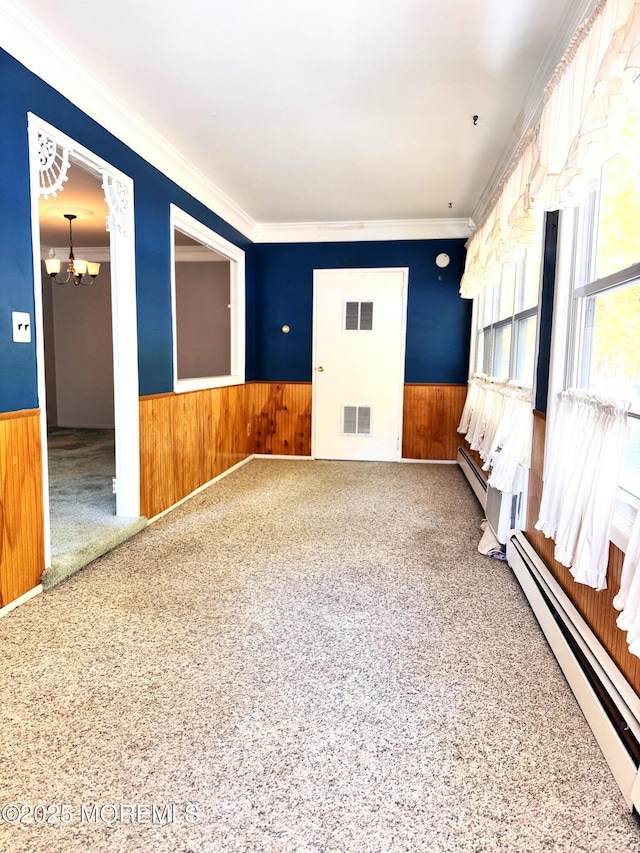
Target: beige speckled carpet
307,656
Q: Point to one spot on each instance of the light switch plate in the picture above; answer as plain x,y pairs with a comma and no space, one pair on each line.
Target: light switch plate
21,327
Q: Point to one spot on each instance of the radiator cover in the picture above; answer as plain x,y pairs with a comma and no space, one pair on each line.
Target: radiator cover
505,511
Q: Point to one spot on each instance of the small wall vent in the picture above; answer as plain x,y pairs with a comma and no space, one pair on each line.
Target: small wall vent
356,420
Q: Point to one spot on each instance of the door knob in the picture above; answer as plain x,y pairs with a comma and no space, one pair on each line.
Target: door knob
320,369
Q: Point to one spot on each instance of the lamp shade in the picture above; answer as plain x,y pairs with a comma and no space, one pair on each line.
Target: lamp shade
53,266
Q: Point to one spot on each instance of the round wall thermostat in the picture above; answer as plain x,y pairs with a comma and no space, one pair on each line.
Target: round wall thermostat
442,260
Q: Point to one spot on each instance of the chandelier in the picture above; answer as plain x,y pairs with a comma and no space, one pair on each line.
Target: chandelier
79,272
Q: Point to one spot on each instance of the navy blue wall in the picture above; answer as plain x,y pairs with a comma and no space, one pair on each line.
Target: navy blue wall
22,92
438,321
279,276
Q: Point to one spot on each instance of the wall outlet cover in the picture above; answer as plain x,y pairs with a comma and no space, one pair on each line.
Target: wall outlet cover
21,322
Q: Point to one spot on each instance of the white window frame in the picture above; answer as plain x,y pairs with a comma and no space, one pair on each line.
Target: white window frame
574,284
513,321
193,228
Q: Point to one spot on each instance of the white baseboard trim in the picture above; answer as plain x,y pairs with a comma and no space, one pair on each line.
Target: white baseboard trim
313,459
201,489
429,461
21,600
281,456
550,604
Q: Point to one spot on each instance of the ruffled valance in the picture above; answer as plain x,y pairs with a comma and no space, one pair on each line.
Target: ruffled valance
592,90
506,231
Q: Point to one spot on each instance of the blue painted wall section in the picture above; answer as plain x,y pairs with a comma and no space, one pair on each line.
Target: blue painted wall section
438,320
22,92
17,361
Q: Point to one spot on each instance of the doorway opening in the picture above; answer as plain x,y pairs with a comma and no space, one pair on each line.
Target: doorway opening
88,413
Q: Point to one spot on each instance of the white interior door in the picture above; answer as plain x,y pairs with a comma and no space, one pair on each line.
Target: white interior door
358,363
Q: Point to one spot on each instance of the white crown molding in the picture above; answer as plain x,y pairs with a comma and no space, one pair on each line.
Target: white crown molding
198,254
28,42
96,254
343,232
534,100
102,254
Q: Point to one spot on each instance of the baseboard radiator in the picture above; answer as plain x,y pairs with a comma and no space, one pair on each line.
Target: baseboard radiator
609,703
504,511
473,475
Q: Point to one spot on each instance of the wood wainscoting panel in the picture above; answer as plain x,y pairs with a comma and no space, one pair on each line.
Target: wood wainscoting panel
281,417
535,471
596,608
188,439
431,417
21,510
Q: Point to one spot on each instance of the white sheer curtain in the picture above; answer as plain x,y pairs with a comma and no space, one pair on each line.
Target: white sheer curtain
481,413
511,446
497,422
628,598
585,443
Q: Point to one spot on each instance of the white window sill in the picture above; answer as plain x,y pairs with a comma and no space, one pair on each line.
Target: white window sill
624,517
205,382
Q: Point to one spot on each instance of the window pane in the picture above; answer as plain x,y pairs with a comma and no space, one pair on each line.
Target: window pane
630,473
208,302
479,362
531,274
479,310
618,245
507,292
486,352
203,320
502,351
611,351
525,349
487,306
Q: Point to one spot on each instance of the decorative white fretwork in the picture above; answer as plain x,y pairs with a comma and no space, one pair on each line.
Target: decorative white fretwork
53,160
116,195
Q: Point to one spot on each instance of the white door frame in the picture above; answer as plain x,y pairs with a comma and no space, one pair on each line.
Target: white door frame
314,363
49,153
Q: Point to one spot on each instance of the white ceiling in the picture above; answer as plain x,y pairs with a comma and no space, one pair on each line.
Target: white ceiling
333,110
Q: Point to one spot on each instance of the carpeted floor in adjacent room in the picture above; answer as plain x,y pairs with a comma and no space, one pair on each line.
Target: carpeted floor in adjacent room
307,656
81,501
